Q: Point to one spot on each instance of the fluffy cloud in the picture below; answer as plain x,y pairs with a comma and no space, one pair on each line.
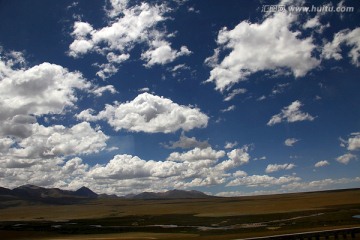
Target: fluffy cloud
353,143
18,126
151,114
229,145
87,115
277,167
82,29
129,26
315,23
162,53
319,184
44,172
201,182
291,113
345,37
186,142
239,173
197,167
312,22
5,144
322,163
15,174
121,175
79,47
269,45
75,166
237,157
197,154
346,158
58,140
42,89
121,34
51,142
100,90
28,93
252,193
124,173
262,180
117,7
110,68
290,142
128,167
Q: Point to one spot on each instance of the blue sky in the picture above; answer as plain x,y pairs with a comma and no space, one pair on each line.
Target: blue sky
225,97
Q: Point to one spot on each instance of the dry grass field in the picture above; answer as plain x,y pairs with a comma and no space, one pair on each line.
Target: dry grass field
213,207
212,218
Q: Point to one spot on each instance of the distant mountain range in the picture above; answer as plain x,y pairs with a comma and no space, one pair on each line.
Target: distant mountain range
50,195
55,195
172,194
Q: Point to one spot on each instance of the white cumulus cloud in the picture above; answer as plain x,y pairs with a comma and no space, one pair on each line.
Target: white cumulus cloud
291,113
261,180
29,93
229,145
322,163
117,7
352,143
128,167
162,53
346,158
197,154
269,45
277,167
129,26
350,38
237,157
58,140
99,91
42,89
319,184
149,113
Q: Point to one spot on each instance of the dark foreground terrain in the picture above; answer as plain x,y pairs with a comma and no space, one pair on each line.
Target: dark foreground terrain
84,217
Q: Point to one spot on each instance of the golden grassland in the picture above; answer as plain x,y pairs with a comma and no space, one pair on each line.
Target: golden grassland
212,207
283,213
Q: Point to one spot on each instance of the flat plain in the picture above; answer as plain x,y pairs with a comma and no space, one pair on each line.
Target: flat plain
208,218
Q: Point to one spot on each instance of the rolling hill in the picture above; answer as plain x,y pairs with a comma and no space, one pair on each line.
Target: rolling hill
55,195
